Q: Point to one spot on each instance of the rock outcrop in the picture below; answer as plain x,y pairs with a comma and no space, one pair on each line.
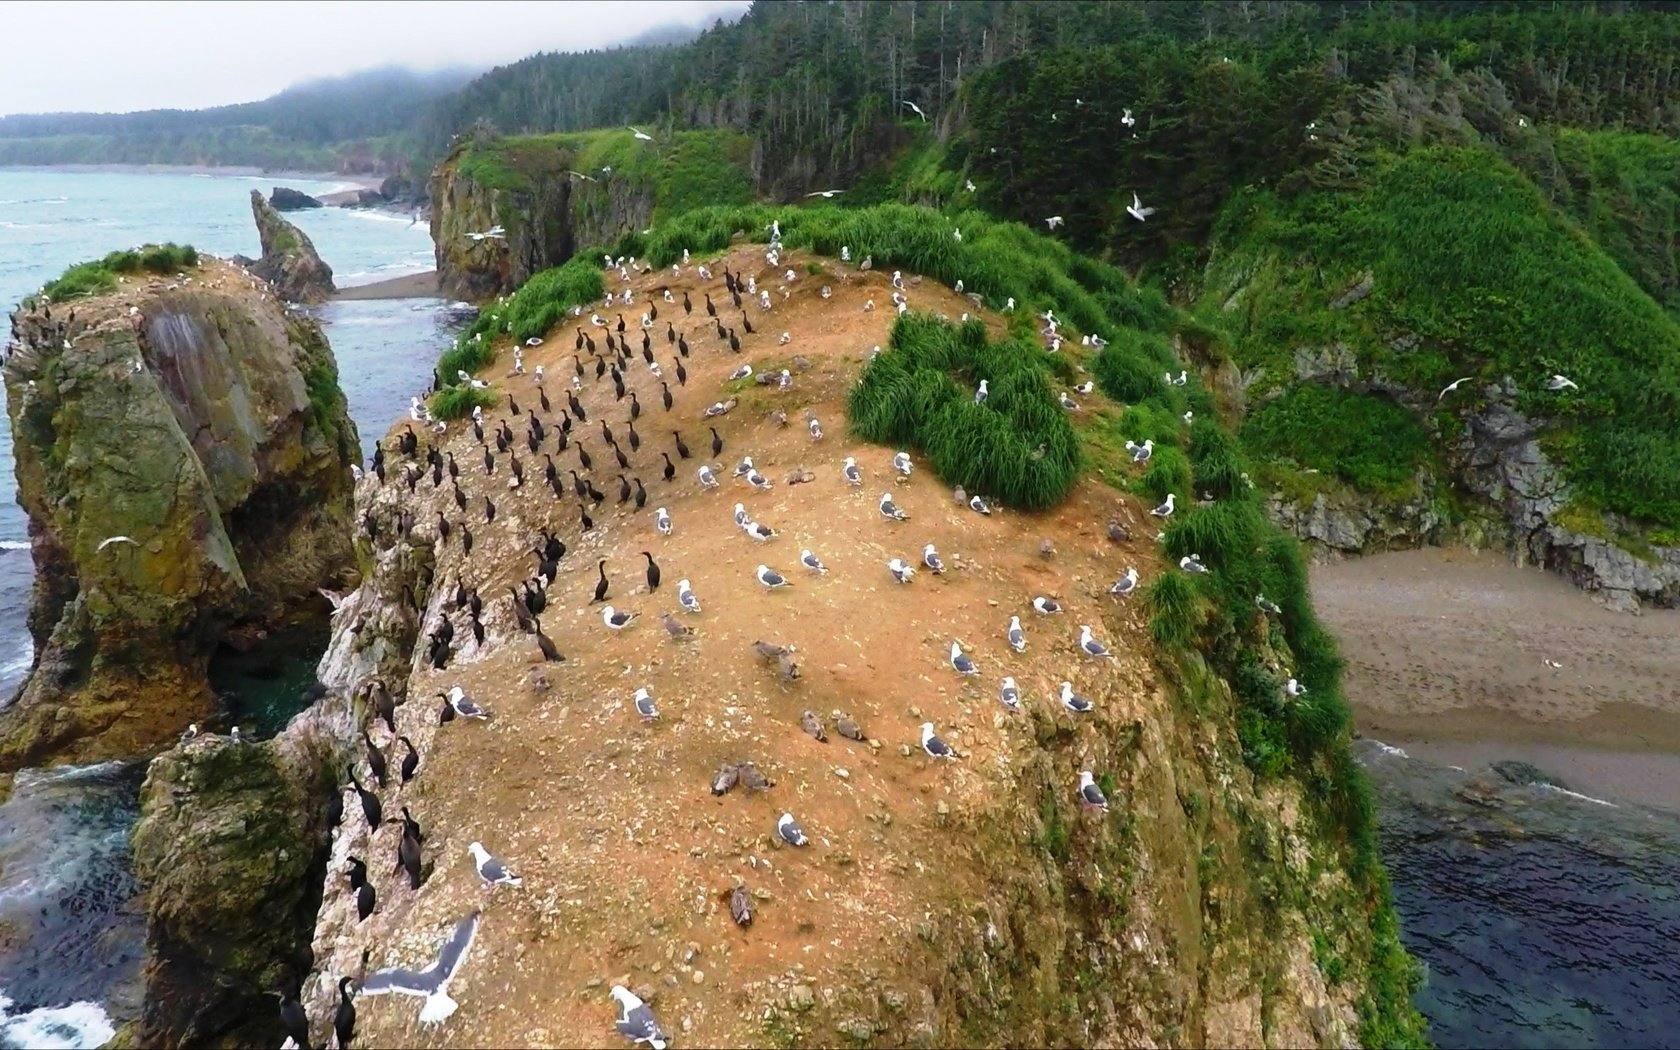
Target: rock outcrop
183,452
284,198
232,844
289,261
524,222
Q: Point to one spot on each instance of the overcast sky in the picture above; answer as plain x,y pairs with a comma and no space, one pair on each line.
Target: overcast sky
120,56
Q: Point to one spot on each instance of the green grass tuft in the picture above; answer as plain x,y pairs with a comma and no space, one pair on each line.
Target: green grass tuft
457,402
100,276
543,302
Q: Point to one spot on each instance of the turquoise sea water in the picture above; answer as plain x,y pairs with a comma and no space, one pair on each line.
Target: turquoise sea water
74,935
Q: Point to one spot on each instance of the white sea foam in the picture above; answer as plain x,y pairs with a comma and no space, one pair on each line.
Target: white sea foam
72,1027
1388,750
1577,794
379,216
14,545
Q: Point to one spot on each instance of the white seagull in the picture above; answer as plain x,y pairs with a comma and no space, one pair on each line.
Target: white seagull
618,621
741,517
1192,563
1009,695
1454,385
889,509
812,562
1266,605
1127,119
979,506
901,572
933,746
490,869
1141,453
114,539
1294,688
1126,584
1090,794
1560,382
790,831
916,109
771,578
960,661
685,596
932,560
1053,221
708,480
1165,510
432,983
1017,637
635,1020
824,194
645,705
1073,701
1046,606
1137,211
854,476
641,136
463,705
901,463
1089,643
662,521
761,533
980,394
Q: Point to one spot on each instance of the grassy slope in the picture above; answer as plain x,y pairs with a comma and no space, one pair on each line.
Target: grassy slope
1625,190
100,275
1204,623
1467,257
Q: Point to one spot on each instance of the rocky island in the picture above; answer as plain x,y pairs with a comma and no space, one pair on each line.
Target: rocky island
184,453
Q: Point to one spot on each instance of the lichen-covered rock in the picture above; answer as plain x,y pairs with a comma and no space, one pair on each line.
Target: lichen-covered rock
289,261
183,453
231,844
532,212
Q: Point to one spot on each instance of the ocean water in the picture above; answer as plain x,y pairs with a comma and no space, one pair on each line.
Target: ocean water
1545,918
71,932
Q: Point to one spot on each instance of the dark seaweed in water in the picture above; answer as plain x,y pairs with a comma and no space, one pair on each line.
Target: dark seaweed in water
70,915
263,688
1546,919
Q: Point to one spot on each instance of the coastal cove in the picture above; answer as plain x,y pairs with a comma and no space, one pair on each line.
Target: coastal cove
1531,812
78,909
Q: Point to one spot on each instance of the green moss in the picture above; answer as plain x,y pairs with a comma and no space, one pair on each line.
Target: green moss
100,276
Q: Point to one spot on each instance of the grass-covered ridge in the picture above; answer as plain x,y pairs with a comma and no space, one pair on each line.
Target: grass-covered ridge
1473,274
1018,446
679,170
100,275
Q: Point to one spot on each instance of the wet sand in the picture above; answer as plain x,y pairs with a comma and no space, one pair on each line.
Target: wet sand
1447,654
408,286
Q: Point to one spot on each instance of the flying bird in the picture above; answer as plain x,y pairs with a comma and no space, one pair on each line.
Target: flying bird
1454,385
641,136
1137,211
432,983
114,539
1559,382
916,109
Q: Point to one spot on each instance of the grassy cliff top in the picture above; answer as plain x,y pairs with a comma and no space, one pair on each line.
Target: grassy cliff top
100,275
1471,272
683,169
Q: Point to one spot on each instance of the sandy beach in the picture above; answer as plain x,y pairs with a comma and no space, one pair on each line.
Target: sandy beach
370,182
1447,656
408,286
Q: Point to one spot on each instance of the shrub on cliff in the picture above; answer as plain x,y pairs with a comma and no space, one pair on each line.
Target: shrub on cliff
545,301
1018,446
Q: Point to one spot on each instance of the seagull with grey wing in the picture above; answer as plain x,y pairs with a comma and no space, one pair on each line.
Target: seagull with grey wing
491,869
1561,382
635,1020
432,983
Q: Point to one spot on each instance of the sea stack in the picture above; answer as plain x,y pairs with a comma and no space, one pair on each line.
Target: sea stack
183,453
289,261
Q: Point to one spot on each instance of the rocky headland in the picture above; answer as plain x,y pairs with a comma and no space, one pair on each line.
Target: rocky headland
183,453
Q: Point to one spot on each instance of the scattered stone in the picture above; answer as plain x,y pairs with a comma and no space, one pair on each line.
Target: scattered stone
801,998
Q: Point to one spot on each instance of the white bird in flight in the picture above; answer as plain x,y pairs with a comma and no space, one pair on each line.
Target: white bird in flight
1053,221
824,194
1560,382
114,539
492,232
1137,211
917,110
1454,385
641,136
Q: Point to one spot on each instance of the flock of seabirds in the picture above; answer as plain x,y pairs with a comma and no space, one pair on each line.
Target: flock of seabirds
541,437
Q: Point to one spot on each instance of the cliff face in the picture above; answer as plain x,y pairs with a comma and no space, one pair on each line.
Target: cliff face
231,845
183,453
553,195
974,902
289,261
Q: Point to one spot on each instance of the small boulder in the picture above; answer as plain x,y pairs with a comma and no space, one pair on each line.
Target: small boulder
284,198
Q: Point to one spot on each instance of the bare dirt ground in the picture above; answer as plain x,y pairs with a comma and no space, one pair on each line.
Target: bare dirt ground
1447,656
625,854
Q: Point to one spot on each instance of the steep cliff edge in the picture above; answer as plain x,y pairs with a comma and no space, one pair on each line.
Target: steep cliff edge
183,453
971,902
504,209
1442,356
289,261
231,846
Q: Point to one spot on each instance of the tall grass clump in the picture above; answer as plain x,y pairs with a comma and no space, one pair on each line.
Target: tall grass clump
457,402
1018,446
100,275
